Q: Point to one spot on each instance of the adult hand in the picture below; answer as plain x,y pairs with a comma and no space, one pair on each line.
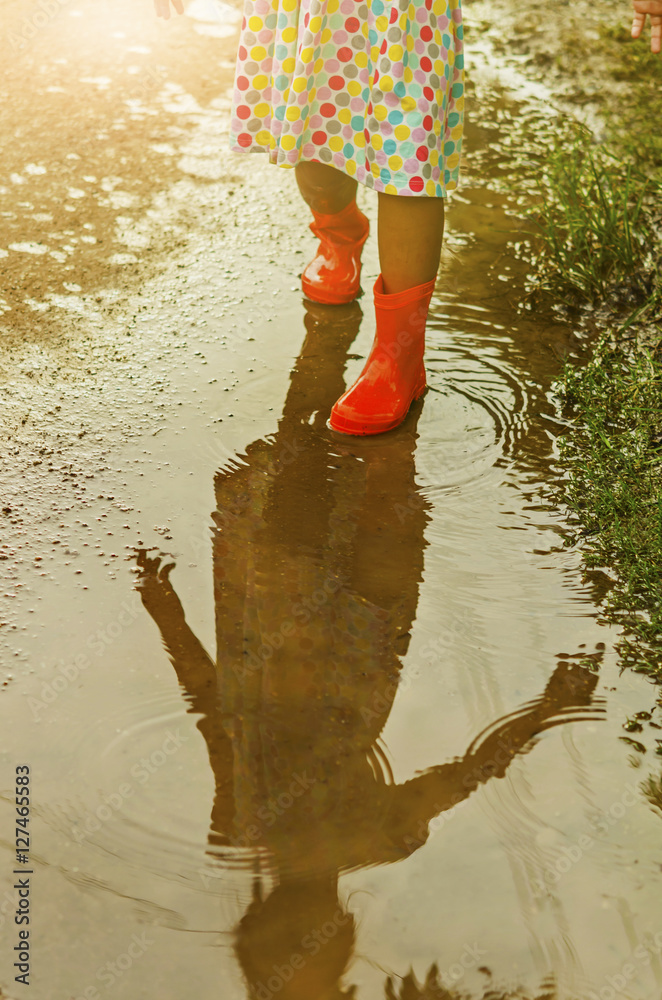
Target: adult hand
162,7
642,10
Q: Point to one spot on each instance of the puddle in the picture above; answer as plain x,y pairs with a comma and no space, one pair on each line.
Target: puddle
361,731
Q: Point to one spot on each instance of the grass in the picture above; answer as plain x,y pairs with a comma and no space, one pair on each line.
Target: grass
632,120
600,224
652,789
592,221
599,216
613,456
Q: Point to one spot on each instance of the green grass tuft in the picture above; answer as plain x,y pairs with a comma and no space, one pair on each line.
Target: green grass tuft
614,457
598,214
592,221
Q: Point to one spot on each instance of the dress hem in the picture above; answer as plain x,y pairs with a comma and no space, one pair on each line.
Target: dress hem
368,181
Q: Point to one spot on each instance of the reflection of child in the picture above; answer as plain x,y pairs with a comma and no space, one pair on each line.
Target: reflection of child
370,92
652,9
313,616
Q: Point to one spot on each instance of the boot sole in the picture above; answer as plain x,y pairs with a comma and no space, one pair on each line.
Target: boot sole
363,429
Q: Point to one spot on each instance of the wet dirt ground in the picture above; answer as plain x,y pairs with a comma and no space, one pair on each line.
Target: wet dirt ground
361,725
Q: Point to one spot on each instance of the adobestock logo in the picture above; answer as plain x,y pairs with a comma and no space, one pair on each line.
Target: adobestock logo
67,673
47,11
141,772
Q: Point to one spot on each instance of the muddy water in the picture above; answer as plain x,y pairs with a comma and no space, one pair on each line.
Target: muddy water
360,725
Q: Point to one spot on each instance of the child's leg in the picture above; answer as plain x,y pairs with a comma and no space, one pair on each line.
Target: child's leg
410,232
324,189
334,274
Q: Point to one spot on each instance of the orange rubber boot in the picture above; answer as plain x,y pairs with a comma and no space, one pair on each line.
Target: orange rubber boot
334,274
394,374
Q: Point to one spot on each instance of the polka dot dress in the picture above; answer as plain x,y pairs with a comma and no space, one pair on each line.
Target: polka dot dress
374,88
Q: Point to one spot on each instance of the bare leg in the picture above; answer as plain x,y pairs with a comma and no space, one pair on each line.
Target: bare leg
325,189
410,233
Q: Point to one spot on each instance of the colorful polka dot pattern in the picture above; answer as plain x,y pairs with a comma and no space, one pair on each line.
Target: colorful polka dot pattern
372,87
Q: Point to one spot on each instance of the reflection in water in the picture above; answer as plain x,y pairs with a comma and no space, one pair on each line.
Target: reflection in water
318,558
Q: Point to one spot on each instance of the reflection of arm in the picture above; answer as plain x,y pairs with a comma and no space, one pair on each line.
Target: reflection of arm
194,667
417,802
196,673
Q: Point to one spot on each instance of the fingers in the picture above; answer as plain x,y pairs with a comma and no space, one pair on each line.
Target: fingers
153,567
652,9
146,564
648,6
162,7
165,571
638,22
